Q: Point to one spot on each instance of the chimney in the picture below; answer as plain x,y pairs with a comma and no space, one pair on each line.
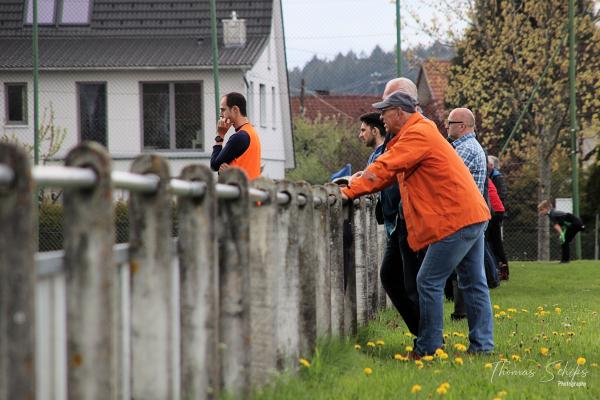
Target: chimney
234,31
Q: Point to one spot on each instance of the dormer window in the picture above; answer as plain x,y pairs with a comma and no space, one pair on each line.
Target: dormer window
46,12
63,12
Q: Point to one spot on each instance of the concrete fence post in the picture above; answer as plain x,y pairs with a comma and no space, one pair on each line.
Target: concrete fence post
321,229
336,259
372,265
308,281
288,280
17,278
199,282
264,233
91,280
360,236
234,282
350,323
150,222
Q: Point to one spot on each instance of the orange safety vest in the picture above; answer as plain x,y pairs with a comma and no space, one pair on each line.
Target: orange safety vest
249,161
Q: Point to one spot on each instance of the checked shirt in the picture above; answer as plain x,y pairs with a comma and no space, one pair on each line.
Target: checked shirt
472,154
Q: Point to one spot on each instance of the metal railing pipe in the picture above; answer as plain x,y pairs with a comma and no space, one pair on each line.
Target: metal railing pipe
227,192
6,175
187,188
134,182
64,177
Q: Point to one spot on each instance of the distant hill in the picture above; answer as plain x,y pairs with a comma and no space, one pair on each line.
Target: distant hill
362,74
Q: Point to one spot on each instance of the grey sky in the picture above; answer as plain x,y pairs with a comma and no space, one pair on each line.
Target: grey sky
327,27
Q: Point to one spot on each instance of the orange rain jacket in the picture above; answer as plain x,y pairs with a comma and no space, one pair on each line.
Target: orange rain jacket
439,195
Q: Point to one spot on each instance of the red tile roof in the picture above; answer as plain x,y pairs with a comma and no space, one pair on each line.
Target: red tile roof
436,75
333,106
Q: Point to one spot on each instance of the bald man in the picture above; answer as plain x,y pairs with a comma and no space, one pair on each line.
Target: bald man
461,130
400,84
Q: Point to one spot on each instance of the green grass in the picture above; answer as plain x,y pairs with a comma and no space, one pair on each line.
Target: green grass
337,368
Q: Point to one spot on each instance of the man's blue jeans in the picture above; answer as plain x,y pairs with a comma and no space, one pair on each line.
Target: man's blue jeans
462,250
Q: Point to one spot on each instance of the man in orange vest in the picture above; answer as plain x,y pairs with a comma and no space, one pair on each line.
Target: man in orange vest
243,147
443,209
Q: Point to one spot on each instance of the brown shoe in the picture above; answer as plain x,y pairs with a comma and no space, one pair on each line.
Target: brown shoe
413,356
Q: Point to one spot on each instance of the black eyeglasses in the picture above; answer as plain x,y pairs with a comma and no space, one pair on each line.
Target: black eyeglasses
454,122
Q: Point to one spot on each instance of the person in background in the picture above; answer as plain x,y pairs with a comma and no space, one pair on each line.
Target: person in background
566,225
243,148
372,134
498,178
494,231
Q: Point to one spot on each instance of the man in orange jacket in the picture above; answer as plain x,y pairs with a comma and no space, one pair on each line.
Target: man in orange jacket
443,209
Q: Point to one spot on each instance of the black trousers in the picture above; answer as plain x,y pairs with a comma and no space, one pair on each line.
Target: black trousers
494,237
565,247
398,275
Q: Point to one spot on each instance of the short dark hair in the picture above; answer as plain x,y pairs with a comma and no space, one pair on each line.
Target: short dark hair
373,120
236,99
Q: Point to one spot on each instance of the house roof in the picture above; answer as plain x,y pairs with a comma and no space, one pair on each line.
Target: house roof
435,73
135,33
333,106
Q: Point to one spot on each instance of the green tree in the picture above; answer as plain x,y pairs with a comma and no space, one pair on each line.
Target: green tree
500,58
324,146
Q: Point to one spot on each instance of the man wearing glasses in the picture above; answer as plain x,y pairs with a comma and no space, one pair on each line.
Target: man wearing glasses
461,131
443,210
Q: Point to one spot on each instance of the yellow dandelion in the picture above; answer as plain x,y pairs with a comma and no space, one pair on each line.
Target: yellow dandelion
515,357
580,361
400,357
370,344
368,371
496,307
528,350
419,363
545,337
524,310
416,389
443,356
557,365
488,365
544,351
570,334
441,390
497,398
357,347
427,358
408,348
460,347
555,333
439,352
502,313
445,385
496,315
445,336
304,362
512,310
458,361
502,393
380,343
594,365
557,310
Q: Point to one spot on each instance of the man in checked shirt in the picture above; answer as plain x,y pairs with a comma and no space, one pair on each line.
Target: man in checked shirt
460,126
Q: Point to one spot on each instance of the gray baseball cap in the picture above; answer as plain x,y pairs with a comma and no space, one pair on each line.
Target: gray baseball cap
398,99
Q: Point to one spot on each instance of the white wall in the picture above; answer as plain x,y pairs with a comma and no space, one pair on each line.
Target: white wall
124,112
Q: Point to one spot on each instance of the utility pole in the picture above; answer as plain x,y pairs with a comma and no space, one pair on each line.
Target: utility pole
215,55
398,45
36,84
573,117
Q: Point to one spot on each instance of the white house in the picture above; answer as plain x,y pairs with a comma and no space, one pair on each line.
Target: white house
137,75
